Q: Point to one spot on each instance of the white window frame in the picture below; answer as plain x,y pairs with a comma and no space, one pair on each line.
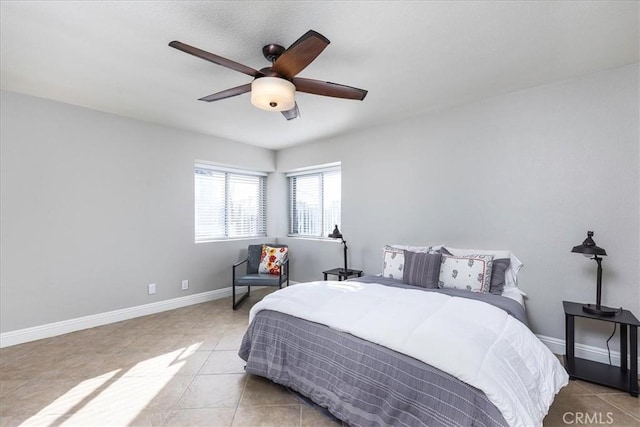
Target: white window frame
200,209
327,224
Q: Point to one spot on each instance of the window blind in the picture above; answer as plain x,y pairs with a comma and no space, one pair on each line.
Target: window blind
228,205
314,202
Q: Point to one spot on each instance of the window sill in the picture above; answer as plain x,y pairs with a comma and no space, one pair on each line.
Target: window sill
234,239
317,239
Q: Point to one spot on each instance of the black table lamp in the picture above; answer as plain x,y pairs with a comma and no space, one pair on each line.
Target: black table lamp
336,234
588,247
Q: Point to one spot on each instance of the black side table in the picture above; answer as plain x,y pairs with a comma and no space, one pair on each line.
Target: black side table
620,378
341,273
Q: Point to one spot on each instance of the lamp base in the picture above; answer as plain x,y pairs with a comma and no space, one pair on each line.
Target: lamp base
600,311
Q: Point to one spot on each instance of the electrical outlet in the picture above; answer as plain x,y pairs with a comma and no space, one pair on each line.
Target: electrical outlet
185,285
152,288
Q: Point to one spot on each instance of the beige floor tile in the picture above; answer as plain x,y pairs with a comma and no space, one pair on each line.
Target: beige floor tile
7,386
214,417
167,397
199,341
32,421
212,326
191,361
626,402
41,397
116,417
574,388
77,367
8,354
213,391
586,410
28,367
262,392
131,362
154,363
121,400
223,362
109,344
264,416
596,388
175,328
61,347
231,339
153,342
313,418
150,419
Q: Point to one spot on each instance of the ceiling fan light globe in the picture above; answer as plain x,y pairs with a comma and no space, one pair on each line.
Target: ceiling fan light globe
273,94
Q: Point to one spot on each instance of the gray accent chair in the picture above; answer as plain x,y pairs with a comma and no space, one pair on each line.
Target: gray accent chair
251,277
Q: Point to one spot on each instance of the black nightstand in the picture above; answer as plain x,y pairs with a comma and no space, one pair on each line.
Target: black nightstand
620,378
341,273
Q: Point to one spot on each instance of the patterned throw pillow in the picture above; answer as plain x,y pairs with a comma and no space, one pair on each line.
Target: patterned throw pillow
271,259
421,269
470,272
392,262
511,272
500,265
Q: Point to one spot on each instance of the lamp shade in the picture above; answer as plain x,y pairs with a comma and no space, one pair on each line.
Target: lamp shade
588,247
273,94
335,234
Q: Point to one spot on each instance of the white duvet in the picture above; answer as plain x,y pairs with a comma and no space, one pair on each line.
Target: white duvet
476,342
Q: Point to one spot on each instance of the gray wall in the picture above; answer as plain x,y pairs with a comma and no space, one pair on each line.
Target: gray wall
530,171
94,207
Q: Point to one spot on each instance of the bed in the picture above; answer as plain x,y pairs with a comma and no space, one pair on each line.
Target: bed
376,351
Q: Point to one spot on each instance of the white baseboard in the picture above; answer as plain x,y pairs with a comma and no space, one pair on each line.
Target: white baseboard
596,354
64,327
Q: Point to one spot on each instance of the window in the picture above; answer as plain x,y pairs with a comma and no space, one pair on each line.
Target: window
314,201
229,203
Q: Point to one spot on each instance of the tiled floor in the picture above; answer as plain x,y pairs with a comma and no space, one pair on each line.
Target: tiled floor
181,368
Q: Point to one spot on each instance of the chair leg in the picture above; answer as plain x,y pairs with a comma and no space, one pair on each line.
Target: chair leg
236,304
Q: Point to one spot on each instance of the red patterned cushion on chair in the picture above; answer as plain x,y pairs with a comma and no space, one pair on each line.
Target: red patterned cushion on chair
271,259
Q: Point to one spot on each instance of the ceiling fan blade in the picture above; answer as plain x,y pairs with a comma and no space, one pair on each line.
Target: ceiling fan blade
300,54
207,56
234,91
292,113
335,90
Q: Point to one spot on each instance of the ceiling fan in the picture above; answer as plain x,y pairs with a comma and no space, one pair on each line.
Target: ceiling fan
273,87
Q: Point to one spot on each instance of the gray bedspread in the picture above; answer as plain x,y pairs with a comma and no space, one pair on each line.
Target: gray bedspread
359,382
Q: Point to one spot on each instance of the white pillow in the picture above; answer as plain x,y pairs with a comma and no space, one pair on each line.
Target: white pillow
392,262
511,273
418,249
469,272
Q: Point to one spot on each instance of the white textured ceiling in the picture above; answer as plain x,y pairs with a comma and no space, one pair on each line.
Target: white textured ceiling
412,57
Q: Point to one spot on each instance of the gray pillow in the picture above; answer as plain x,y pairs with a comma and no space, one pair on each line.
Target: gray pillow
500,266
421,269
498,279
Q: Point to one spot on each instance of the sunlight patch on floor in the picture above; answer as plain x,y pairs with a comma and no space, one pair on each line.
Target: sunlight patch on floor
119,396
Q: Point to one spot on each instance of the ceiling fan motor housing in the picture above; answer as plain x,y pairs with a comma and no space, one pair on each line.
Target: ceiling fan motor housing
272,52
